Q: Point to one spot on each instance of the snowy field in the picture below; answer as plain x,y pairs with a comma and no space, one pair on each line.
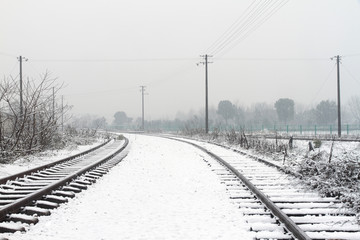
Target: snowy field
162,190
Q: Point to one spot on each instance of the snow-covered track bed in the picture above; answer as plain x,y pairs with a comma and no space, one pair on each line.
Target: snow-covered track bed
33,193
275,204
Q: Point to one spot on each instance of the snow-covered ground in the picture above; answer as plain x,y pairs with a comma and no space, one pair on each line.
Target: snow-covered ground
42,158
162,190
341,150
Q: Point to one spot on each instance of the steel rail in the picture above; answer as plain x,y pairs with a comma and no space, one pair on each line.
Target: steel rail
27,172
295,174
288,171
289,224
18,204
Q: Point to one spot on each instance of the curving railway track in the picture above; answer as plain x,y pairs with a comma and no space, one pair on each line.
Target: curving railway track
32,193
275,205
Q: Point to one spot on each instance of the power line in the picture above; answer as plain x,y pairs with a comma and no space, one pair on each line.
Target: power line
13,68
115,60
170,77
230,29
184,69
351,75
116,91
7,54
323,84
252,18
247,20
352,55
255,27
270,59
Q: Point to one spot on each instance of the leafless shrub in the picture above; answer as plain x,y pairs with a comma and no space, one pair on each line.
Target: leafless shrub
337,178
215,133
231,136
193,127
34,127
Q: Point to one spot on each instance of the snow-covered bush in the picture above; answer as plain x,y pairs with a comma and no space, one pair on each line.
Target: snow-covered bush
30,125
317,143
338,178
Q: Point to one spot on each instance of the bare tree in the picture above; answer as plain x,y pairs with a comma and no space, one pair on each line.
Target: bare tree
36,128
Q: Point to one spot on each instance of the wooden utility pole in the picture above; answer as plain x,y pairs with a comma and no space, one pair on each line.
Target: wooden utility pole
338,94
142,89
206,92
338,58
20,58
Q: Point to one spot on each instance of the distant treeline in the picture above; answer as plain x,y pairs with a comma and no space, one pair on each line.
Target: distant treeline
260,116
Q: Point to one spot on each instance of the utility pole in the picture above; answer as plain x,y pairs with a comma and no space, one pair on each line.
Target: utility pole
20,58
338,58
142,89
206,92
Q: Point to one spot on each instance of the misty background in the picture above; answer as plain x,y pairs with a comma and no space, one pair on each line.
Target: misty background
103,51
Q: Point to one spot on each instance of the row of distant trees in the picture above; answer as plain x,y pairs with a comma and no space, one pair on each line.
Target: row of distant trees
283,111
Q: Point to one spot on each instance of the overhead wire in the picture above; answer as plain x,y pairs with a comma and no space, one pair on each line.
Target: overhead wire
117,91
253,28
7,54
184,69
13,68
181,71
230,29
241,26
253,18
269,59
351,55
323,84
115,60
257,13
350,74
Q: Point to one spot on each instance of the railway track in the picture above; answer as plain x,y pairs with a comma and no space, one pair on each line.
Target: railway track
33,193
276,206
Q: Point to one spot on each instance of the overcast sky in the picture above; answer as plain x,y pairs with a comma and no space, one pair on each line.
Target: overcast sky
103,50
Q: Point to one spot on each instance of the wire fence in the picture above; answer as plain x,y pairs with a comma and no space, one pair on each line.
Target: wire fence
346,129
294,130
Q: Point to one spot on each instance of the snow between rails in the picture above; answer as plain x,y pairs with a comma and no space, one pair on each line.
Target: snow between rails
162,190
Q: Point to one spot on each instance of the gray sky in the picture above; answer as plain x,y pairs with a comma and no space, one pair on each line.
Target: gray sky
103,50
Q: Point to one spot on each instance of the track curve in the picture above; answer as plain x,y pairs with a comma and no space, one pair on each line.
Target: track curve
277,206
